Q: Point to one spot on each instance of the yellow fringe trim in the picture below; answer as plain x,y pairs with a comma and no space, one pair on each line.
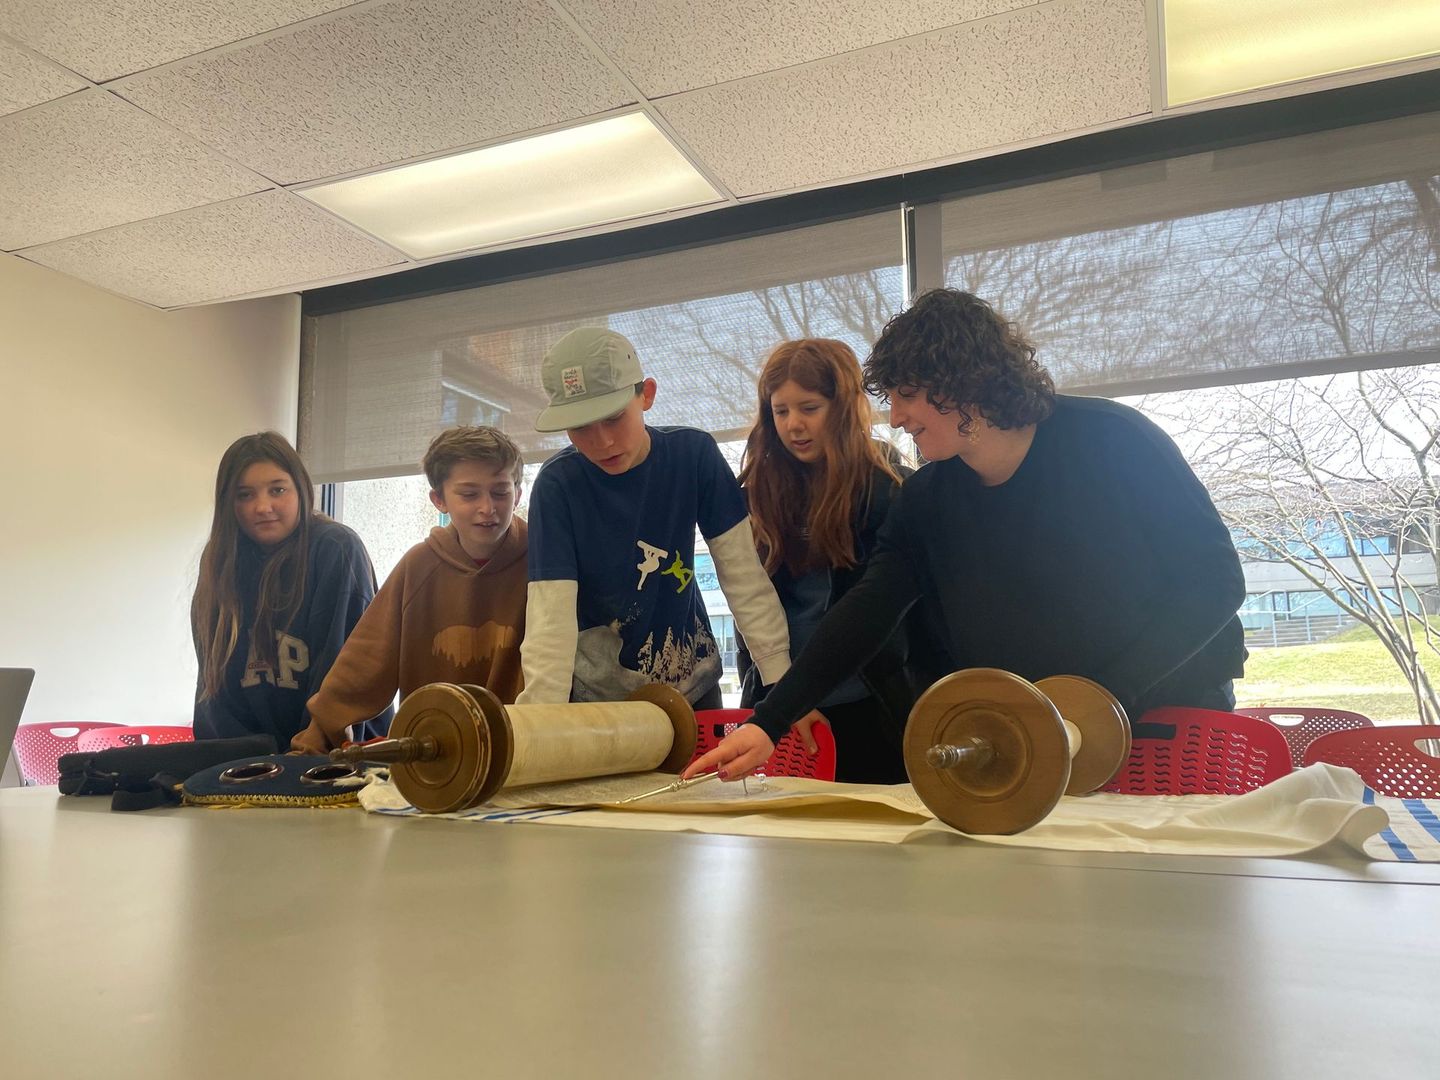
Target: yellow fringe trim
241,802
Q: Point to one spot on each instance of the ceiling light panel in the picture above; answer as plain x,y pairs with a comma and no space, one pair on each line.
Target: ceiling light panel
609,171
1215,47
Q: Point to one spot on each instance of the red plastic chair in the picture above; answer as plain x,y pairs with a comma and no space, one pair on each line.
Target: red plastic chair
1301,727
1386,758
127,735
1177,751
789,758
39,746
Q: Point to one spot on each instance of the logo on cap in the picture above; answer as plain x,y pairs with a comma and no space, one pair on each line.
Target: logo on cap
572,382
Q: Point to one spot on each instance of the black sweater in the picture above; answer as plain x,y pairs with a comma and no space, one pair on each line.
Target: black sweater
884,674
1102,556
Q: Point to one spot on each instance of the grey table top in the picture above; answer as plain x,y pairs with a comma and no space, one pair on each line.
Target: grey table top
248,943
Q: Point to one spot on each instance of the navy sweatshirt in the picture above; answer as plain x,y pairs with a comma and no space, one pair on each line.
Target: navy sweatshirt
1102,556
339,585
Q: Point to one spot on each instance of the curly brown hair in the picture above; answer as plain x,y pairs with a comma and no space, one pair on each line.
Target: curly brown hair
966,357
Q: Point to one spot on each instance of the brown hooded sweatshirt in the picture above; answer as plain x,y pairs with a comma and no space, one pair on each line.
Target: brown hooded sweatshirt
437,618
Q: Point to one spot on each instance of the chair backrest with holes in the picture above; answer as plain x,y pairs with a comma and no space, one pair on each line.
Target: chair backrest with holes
1180,751
39,746
133,735
1302,726
789,758
1386,758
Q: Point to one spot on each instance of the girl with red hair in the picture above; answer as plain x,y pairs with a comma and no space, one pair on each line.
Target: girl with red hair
819,486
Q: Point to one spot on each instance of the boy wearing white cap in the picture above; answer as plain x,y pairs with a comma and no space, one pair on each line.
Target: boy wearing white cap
612,602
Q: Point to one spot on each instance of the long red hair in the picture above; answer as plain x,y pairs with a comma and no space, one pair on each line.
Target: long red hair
803,516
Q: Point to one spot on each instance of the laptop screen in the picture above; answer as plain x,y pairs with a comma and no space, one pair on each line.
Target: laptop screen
14,689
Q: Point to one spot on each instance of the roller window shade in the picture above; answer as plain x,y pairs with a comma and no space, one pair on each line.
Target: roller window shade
1289,257
383,380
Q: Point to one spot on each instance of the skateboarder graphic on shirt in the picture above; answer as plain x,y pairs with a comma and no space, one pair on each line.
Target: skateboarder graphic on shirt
650,563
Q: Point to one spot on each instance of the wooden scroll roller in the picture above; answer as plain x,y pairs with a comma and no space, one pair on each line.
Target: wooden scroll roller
452,747
989,752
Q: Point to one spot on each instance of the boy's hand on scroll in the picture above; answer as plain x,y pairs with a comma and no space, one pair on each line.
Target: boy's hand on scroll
310,741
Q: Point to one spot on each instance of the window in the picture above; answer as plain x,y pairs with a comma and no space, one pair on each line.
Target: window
1254,300
1309,253
384,380
1276,308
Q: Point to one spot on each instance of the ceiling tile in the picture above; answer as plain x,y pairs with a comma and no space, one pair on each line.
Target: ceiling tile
105,38
1029,75
26,80
666,47
90,161
383,84
268,241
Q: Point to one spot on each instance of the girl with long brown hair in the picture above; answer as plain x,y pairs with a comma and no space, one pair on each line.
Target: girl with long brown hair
819,486
280,587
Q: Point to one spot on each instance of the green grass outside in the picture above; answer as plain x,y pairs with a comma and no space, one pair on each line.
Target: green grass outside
1349,671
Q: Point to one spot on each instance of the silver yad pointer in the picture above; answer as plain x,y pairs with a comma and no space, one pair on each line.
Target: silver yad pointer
674,785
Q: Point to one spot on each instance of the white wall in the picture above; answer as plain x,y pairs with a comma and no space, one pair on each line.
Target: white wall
113,418
1418,569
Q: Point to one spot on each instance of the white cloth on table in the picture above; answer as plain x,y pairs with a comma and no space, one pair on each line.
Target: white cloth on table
1312,809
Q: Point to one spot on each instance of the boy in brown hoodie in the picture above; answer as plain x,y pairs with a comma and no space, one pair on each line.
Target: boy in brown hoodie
453,610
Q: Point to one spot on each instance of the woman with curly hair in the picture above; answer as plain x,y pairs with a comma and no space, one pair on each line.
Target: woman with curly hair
819,486
1048,535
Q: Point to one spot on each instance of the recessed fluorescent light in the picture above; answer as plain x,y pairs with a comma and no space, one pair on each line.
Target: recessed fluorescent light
612,170
1215,47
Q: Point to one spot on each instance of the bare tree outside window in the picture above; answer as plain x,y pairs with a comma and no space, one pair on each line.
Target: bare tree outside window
1335,478
729,337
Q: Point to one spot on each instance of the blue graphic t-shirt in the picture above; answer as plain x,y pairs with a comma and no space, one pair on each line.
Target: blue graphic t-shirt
629,542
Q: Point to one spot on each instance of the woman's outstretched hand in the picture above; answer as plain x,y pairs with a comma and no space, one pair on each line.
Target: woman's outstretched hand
739,754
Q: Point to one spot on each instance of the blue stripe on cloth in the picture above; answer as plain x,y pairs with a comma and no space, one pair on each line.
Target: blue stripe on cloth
524,815
554,811
1425,816
501,816
1400,851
